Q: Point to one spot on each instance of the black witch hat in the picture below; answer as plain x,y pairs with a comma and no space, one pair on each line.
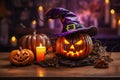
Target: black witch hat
70,22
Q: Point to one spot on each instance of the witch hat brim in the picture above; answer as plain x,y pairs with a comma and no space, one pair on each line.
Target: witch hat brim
70,22
90,31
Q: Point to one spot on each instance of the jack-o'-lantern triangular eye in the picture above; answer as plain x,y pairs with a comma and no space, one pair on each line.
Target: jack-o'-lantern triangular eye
79,42
66,41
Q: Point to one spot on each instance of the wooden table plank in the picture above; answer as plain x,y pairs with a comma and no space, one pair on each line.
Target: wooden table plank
7,70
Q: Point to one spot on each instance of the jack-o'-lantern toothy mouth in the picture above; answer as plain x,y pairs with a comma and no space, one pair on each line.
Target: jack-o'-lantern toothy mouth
73,53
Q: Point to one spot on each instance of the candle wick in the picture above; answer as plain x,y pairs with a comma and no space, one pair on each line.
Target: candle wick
40,45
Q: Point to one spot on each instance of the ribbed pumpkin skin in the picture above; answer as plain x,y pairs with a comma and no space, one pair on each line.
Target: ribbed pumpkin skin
32,41
64,49
21,57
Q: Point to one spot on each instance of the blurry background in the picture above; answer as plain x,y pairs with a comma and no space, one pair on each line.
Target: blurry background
21,17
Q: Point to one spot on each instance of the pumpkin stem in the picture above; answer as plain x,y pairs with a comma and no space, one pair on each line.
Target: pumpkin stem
34,32
20,48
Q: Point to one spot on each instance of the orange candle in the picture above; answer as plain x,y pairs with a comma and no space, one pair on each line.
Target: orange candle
40,53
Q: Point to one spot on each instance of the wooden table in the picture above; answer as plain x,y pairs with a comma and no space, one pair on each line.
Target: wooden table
7,70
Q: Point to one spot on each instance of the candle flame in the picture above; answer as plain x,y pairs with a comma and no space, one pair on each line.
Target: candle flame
112,11
119,22
40,45
13,39
107,1
34,22
40,8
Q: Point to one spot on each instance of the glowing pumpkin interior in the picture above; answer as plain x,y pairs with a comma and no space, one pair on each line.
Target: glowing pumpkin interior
76,46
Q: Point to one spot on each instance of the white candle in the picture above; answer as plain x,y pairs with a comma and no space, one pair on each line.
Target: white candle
41,16
40,53
107,8
33,24
113,19
13,41
51,23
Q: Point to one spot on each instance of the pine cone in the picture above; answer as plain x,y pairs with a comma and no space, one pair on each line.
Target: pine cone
101,64
51,59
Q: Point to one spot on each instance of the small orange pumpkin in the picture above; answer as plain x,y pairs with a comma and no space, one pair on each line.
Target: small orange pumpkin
77,46
21,57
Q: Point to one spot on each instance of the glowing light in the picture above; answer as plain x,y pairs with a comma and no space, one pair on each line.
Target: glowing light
107,1
77,54
64,51
72,47
68,54
34,22
112,11
65,41
81,51
79,42
13,39
40,72
40,53
40,8
119,22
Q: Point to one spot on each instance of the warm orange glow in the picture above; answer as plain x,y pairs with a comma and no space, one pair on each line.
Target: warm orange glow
81,51
40,53
40,72
72,47
34,22
79,42
68,54
66,42
119,22
64,51
40,8
77,54
50,48
107,1
72,54
13,39
112,11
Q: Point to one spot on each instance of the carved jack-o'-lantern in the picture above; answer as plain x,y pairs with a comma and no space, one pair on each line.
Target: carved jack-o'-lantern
21,57
76,46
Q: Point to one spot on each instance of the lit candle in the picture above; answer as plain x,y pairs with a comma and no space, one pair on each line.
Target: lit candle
113,18
107,8
51,23
40,53
41,16
13,41
33,24
119,27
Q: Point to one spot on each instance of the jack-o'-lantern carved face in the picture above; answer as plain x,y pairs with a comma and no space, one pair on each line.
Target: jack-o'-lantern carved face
74,46
21,57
